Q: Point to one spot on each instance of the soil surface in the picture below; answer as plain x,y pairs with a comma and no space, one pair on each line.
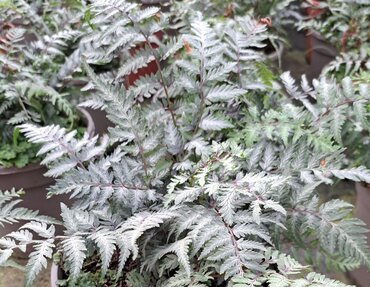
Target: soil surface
13,277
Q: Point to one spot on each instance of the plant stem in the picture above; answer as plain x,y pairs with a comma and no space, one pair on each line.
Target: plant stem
233,240
162,81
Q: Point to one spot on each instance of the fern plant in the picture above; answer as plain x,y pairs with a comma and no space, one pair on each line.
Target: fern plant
352,64
275,14
275,10
172,197
32,51
25,97
52,30
344,23
340,114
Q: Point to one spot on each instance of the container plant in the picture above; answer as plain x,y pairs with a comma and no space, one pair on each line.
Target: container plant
345,25
178,199
341,23
274,14
26,96
53,42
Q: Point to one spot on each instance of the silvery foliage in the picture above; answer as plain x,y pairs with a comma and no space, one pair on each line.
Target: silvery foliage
327,112
186,11
36,36
330,113
174,201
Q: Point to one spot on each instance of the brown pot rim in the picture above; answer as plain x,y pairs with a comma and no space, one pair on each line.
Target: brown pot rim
90,128
316,35
27,168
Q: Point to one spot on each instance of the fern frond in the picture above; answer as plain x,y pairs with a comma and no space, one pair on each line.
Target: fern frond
38,260
62,150
74,249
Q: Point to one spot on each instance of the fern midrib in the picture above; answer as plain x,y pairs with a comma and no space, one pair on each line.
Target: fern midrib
344,103
162,81
141,152
132,187
201,88
232,238
238,64
70,152
23,106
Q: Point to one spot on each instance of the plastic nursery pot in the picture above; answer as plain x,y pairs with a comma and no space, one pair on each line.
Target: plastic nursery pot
297,39
100,120
319,53
362,211
151,68
31,179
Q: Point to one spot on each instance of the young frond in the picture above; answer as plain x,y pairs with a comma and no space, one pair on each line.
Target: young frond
10,213
337,234
63,151
38,259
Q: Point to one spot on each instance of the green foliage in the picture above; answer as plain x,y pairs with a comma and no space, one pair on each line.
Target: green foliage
88,279
328,113
345,25
18,155
186,11
351,64
339,114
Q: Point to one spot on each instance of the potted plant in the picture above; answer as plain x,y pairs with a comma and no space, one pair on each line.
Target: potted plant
273,14
343,24
351,131
57,46
178,199
53,41
25,96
